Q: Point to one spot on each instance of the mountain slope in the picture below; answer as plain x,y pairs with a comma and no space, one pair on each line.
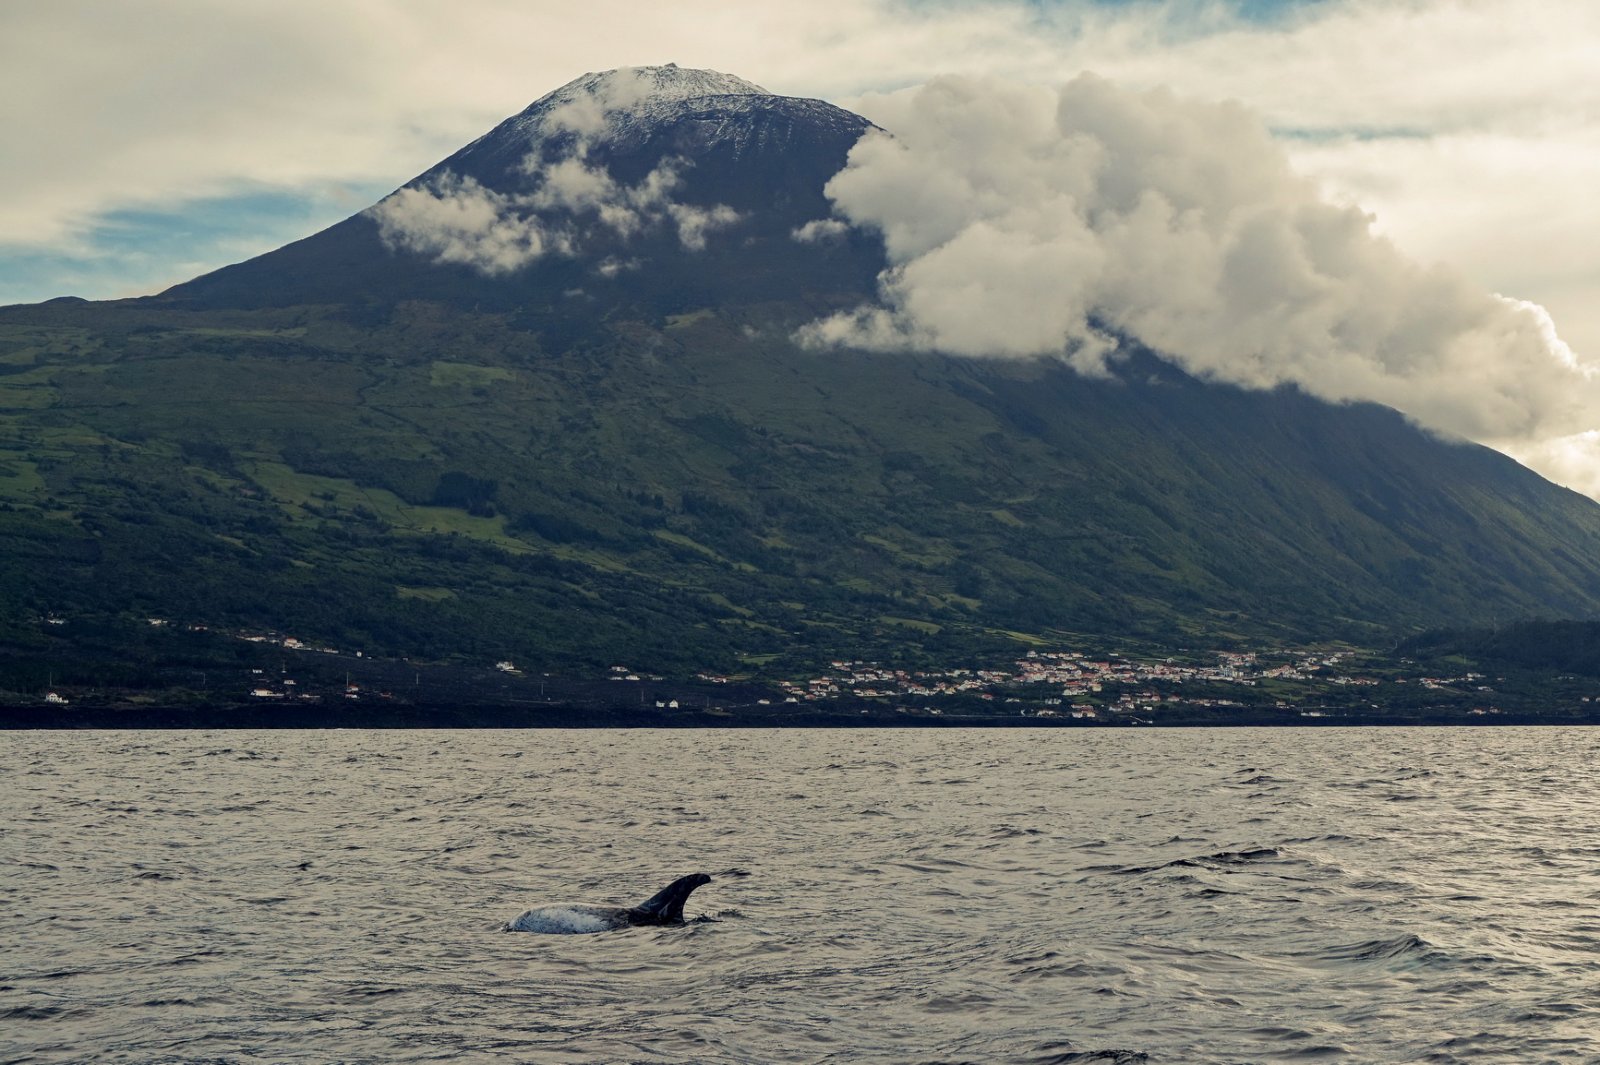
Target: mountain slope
616,450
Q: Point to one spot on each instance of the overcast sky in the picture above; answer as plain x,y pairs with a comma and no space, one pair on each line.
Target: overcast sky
146,142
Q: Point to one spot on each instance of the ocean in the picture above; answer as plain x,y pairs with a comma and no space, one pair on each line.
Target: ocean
1068,895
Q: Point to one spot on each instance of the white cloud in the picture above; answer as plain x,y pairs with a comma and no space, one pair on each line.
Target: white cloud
695,223
1573,461
1513,209
457,220
587,114
1024,222
574,185
820,231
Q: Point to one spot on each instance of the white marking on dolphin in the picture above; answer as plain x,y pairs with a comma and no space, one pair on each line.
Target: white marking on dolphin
663,908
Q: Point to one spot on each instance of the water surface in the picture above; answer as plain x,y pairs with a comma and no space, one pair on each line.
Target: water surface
1185,896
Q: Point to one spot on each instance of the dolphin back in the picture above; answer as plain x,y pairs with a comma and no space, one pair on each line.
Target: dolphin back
569,920
666,906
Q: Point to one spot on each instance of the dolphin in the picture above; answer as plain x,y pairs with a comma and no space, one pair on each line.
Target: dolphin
664,907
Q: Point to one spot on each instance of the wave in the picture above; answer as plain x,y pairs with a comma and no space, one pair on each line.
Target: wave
1407,948
1012,832
1054,1056
1218,860
1401,946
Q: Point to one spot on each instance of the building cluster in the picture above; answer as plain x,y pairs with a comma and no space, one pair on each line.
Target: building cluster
1070,683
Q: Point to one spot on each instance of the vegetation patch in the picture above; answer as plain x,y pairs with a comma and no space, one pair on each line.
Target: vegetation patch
430,595
467,375
912,623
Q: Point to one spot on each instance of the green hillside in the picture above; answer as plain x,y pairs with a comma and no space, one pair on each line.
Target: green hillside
694,491
614,452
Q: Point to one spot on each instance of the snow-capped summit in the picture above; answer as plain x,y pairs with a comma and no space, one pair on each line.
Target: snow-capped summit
626,106
596,103
663,83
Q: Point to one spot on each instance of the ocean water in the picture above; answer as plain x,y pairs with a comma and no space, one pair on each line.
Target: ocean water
1083,895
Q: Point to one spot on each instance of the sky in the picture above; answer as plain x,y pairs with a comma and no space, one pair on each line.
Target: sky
147,143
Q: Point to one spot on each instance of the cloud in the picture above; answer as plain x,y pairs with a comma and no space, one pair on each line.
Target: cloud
1573,461
454,219
820,231
457,220
1021,221
589,113
1450,198
574,185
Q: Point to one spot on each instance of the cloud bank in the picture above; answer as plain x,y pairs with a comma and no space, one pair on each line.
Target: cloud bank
1028,222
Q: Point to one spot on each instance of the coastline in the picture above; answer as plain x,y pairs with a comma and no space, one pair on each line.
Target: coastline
423,717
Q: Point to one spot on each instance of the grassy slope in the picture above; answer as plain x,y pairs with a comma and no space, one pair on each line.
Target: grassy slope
683,491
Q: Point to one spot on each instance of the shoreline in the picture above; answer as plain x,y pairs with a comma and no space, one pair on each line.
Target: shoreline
420,717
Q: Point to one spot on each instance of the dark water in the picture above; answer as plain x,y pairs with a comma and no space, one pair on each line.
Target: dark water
1179,896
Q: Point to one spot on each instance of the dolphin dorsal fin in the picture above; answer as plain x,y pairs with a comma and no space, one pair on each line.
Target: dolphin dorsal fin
666,905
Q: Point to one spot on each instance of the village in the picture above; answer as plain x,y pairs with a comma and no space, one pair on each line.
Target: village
1080,685
1072,686
1093,687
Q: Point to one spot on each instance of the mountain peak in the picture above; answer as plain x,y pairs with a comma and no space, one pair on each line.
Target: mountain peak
613,171
601,105
628,85
592,104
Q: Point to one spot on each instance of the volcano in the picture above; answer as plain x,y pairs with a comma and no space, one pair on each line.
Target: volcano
545,402
674,187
